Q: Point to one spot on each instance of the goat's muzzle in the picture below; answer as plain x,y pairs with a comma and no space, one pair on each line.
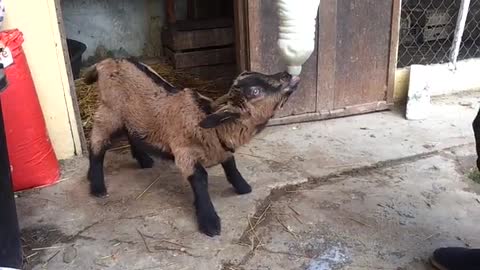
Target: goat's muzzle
291,85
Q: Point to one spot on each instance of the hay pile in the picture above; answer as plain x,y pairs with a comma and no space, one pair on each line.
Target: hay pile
87,94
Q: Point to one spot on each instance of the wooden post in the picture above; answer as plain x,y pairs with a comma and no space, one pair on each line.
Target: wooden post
191,9
170,7
241,34
394,40
459,29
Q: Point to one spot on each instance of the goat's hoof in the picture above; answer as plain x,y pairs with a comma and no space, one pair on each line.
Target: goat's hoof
100,192
209,223
146,162
244,188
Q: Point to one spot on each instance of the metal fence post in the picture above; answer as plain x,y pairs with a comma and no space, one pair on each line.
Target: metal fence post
459,29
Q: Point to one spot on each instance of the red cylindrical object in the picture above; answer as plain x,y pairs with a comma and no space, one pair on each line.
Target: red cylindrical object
32,159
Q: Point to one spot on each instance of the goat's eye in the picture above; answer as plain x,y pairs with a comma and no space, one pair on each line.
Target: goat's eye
255,91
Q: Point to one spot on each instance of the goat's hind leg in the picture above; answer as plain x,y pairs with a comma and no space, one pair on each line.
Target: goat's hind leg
104,127
143,159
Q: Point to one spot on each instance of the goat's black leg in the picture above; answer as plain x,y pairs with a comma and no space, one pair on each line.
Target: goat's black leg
476,131
95,172
234,177
105,126
143,159
208,220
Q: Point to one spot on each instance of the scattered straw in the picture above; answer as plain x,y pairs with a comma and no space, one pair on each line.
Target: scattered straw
287,228
255,240
181,250
149,186
144,241
429,237
296,214
45,248
175,244
254,245
123,147
359,222
51,258
87,101
261,218
293,210
31,255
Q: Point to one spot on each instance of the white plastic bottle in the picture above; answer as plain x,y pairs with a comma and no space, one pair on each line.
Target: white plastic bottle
296,39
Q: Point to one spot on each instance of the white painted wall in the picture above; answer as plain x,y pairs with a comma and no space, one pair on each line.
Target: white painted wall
444,79
122,26
43,48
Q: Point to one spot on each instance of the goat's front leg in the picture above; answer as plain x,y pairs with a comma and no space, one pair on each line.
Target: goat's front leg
208,220
234,177
197,176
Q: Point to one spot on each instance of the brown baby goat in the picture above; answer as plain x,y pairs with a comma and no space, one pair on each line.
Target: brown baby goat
182,125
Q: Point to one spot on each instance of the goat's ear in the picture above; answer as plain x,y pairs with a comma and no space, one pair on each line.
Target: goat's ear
218,118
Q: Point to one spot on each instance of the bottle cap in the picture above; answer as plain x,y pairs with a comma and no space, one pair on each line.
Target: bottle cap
294,70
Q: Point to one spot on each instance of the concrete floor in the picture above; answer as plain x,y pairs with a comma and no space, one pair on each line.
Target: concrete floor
367,192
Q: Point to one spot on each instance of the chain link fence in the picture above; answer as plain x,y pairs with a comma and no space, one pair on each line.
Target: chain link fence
427,28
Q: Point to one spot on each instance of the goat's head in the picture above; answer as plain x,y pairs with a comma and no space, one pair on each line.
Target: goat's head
253,98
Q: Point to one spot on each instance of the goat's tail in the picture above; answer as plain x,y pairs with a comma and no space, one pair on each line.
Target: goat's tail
91,75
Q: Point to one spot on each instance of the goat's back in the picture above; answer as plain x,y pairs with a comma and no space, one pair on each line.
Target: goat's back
159,115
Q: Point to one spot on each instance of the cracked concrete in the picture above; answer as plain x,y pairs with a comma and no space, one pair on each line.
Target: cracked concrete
367,192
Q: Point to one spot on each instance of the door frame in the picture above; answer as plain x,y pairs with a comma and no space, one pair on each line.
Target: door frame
243,63
78,128
242,39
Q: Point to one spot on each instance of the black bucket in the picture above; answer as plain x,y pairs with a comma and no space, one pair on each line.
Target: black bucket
75,51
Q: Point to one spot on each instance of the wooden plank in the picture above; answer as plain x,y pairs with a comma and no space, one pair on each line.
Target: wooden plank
264,57
207,8
83,147
241,35
214,72
327,42
362,53
190,9
170,8
227,8
187,40
201,58
199,24
316,116
394,40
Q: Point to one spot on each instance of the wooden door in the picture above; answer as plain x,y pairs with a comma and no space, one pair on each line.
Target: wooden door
263,55
355,55
352,68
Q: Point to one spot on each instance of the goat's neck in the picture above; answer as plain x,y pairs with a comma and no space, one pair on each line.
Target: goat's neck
235,134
